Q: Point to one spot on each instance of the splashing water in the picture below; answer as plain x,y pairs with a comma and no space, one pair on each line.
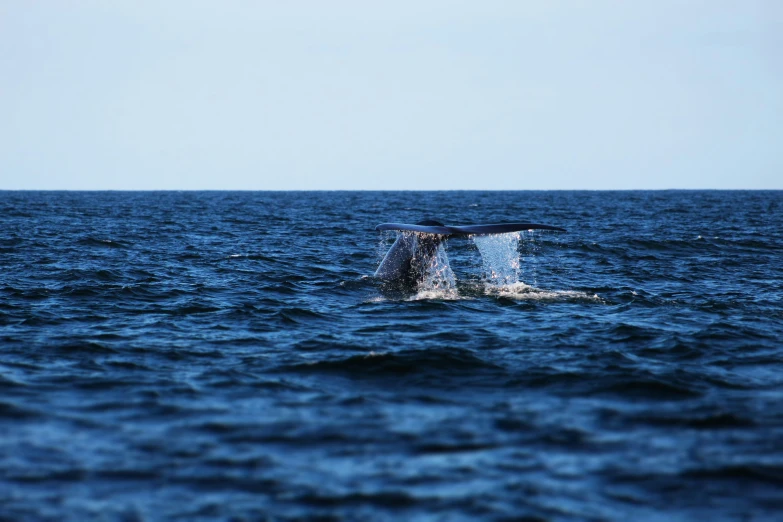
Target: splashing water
500,257
385,240
439,280
501,262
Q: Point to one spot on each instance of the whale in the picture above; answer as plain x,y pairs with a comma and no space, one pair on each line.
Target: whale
405,264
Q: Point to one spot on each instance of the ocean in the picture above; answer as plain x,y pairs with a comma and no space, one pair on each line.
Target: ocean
229,356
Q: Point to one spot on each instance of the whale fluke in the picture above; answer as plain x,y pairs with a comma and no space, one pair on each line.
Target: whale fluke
406,260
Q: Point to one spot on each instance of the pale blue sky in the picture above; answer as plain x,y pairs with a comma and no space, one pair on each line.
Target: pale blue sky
440,94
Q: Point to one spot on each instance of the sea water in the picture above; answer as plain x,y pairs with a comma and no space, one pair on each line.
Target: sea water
227,355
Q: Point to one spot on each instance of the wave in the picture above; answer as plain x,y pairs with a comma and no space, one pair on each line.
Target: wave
406,362
472,290
103,243
522,291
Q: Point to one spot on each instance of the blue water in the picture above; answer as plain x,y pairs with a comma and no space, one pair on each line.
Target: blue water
228,356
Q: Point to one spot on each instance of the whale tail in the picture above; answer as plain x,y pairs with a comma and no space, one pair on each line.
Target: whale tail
406,261
418,244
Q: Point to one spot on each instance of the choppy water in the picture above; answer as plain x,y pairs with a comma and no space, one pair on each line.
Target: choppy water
203,356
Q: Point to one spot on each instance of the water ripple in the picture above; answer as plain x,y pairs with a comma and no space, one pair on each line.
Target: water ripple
219,356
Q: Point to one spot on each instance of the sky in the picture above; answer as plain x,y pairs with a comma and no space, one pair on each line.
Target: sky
403,95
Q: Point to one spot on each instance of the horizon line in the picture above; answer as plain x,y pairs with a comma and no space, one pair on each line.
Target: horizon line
406,190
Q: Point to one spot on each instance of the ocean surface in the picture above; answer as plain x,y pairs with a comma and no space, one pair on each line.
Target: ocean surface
229,356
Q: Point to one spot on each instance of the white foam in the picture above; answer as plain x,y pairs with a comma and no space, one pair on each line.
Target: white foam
521,291
445,294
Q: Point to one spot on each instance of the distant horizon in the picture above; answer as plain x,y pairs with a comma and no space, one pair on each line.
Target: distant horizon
405,190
